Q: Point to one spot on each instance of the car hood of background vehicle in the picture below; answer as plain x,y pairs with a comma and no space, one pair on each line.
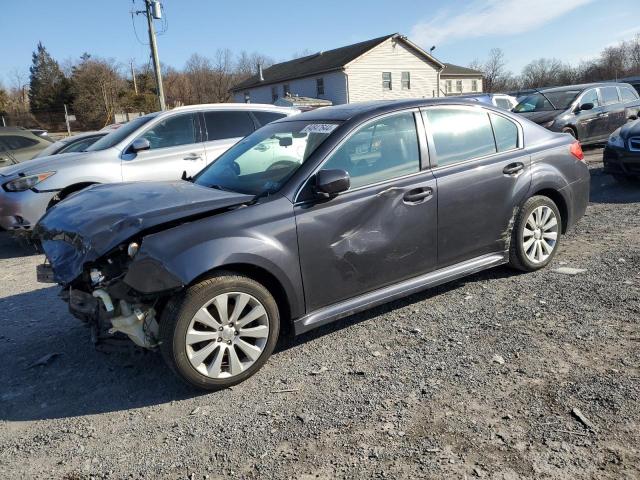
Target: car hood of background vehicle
630,129
43,164
89,224
540,117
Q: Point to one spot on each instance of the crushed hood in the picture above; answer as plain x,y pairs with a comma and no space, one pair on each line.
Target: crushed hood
630,129
541,117
92,222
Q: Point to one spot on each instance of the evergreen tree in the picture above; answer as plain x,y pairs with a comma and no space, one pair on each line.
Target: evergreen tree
49,90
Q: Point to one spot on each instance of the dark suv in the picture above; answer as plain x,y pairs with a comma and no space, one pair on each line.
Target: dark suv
308,220
589,112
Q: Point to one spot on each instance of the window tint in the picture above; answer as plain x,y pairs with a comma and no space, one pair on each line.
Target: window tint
15,142
628,95
171,132
609,95
460,134
590,97
505,132
268,117
228,124
379,151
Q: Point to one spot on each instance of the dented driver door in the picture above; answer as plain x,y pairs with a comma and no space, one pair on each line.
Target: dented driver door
380,231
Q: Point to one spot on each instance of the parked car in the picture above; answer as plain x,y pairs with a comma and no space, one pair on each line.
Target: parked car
385,199
74,143
622,153
589,112
21,144
496,99
157,146
633,81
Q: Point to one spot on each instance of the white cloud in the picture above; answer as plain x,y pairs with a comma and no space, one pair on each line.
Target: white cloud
491,17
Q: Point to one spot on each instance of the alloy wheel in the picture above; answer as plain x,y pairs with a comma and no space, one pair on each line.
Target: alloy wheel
227,335
540,234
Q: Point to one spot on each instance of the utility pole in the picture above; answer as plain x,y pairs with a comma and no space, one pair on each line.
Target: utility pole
152,11
133,75
66,119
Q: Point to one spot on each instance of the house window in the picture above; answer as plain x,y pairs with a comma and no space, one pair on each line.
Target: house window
459,86
286,90
386,80
320,86
474,85
449,87
247,97
406,81
274,94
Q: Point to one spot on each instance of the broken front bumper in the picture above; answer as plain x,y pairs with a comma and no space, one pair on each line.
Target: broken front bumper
21,210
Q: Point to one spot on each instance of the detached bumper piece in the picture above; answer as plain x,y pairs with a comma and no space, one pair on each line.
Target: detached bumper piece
44,273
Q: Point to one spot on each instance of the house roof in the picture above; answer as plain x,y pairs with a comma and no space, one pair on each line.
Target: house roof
321,62
451,69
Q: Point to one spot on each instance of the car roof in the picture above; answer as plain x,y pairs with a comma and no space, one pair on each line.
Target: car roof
235,106
582,86
348,111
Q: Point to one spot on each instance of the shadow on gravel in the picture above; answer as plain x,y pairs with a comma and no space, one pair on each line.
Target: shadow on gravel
495,273
606,189
11,247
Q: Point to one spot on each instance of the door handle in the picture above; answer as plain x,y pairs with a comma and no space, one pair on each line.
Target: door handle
418,195
513,168
193,156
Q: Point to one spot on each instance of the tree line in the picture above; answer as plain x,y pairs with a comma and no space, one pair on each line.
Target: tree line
613,63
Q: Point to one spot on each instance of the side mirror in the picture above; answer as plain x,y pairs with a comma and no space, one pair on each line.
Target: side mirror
332,182
140,144
585,106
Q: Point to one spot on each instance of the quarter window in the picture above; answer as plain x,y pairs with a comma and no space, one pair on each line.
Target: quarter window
590,97
379,151
460,134
505,132
609,95
386,81
171,132
628,95
228,124
320,86
406,81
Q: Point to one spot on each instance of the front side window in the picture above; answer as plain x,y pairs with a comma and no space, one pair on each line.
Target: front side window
171,132
15,142
406,80
262,162
379,151
459,134
591,96
320,86
459,86
609,95
505,132
386,81
628,95
222,125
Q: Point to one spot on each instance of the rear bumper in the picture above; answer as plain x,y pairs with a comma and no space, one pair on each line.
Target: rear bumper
618,161
577,194
22,210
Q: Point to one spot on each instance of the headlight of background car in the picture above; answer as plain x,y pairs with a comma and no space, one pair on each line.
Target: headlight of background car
25,183
615,140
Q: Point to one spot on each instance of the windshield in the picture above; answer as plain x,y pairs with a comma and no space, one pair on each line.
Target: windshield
121,133
262,162
538,102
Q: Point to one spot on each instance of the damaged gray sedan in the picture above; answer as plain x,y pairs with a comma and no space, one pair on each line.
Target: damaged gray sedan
308,220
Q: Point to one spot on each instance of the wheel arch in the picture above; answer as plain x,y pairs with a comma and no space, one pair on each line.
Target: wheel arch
66,191
560,202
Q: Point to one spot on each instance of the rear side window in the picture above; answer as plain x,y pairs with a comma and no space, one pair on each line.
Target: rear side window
460,134
268,117
505,132
171,132
628,95
609,95
222,125
379,151
15,142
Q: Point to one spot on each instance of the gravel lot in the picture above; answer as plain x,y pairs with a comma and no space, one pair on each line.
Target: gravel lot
473,379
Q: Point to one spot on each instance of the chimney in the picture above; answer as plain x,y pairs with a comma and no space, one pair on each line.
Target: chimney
260,75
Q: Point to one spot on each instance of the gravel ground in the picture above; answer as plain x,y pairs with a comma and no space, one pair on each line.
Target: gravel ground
478,378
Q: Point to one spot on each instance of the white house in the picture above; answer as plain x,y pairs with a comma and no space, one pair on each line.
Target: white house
389,67
456,80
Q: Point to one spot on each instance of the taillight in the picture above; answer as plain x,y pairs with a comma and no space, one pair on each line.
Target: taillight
576,150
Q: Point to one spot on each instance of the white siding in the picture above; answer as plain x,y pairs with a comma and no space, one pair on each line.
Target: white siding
365,73
334,89
466,85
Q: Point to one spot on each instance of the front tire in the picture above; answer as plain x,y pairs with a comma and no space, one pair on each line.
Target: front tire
220,331
536,234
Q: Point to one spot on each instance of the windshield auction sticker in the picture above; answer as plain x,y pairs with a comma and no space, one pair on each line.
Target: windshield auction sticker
319,128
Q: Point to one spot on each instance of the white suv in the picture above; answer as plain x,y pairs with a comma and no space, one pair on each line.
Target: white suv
158,146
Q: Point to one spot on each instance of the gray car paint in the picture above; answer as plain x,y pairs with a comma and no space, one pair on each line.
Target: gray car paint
327,258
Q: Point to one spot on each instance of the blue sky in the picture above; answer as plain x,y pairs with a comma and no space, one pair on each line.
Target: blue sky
462,31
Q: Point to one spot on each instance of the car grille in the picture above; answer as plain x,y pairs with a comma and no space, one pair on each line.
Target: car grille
634,144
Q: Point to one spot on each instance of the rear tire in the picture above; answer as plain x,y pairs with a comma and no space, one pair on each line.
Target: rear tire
220,331
536,234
